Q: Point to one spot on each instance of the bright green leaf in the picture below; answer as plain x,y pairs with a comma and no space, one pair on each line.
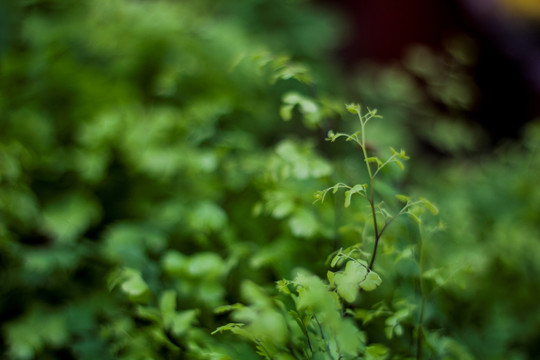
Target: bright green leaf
353,108
371,282
377,352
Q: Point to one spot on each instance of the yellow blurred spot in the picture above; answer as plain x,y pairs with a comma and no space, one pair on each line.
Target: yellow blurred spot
522,8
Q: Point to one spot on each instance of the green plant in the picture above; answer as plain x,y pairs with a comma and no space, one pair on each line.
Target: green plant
321,321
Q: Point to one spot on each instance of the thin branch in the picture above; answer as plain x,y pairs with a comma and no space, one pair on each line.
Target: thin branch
420,328
323,337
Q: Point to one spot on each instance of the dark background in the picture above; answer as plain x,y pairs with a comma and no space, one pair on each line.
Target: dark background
508,48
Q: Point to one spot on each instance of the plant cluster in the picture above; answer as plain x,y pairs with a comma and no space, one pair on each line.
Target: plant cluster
158,161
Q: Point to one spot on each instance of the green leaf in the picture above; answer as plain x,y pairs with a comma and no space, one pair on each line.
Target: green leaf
373,160
377,352
353,108
331,136
401,154
134,285
372,281
181,322
402,198
399,164
227,308
285,112
414,217
336,259
228,327
167,303
348,195
430,206
175,263
303,224
68,217
348,281
299,321
148,313
283,286
356,189
331,276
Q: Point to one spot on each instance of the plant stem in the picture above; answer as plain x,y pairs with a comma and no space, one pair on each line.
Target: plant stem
323,337
420,327
371,195
376,230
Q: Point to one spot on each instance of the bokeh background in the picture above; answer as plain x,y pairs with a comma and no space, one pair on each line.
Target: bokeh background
156,156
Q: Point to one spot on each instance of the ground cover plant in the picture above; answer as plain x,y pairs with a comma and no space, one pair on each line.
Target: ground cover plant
183,180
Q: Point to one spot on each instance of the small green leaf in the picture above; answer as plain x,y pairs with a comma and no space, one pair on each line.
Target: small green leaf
148,313
229,327
374,160
226,308
371,282
377,352
336,259
399,164
319,195
402,198
286,112
283,286
348,281
353,108
303,224
348,195
167,303
180,322
430,206
331,275
401,154
414,217
356,189
299,321
134,284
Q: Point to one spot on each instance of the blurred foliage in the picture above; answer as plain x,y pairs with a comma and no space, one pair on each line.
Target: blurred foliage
158,161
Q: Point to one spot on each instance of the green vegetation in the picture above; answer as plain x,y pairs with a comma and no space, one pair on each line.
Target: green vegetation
158,165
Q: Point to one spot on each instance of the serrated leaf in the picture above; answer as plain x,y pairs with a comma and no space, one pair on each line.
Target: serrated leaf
401,154
283,286
227,327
